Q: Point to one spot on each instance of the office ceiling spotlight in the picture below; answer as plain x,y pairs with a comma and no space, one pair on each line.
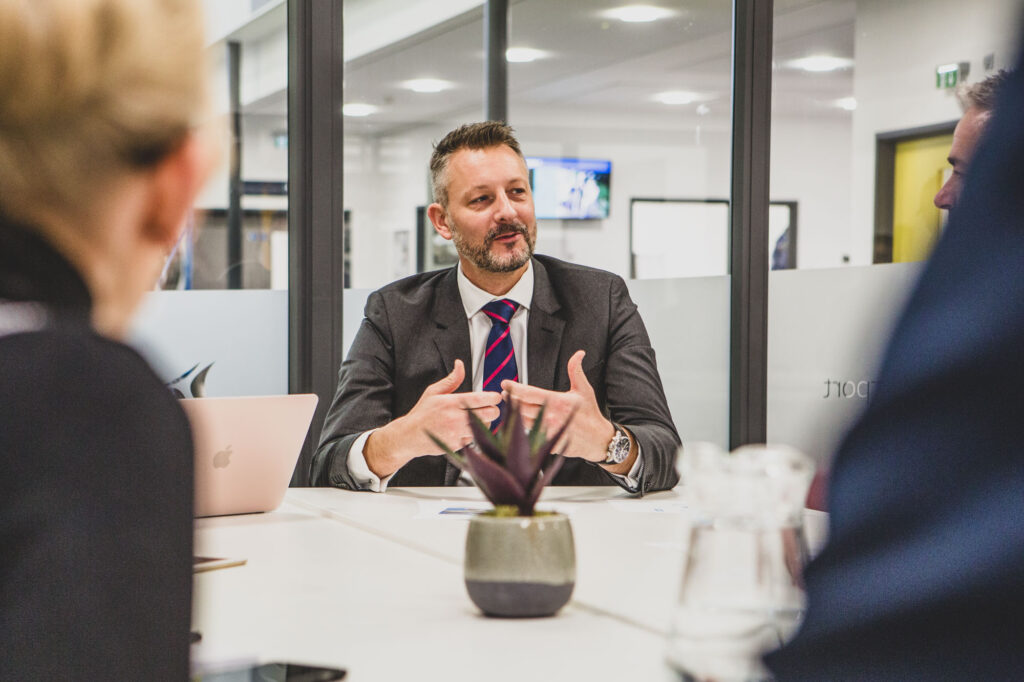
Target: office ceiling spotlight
358,109
520,55
820,63
638,14
681,97
427,85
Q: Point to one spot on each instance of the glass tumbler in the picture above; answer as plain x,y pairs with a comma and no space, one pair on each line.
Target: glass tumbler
742,591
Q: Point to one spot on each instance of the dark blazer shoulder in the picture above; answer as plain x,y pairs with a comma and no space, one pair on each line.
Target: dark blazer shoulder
558,284
417,288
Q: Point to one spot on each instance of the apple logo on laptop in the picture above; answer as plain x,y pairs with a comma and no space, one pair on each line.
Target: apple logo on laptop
222,458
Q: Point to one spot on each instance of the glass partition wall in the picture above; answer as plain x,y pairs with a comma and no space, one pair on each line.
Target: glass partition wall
864,103
652,96
612,105
638,103
219,324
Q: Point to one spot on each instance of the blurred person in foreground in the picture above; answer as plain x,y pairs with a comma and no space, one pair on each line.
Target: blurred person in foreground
100,159
923,575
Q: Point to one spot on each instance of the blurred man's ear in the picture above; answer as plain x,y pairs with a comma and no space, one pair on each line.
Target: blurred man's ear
439,217
175,182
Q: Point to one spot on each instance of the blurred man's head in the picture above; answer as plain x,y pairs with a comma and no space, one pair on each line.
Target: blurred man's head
100,103
978,100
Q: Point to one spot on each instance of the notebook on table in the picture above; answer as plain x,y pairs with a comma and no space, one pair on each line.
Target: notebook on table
246,450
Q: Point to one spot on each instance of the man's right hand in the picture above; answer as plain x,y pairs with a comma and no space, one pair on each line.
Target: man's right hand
440,411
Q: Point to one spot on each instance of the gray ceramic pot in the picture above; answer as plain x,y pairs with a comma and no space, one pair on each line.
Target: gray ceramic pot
520,566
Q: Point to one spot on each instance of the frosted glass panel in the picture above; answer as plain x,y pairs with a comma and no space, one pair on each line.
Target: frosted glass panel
826,330
243,333
688,322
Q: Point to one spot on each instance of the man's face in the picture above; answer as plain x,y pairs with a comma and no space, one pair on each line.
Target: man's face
965,139
490,210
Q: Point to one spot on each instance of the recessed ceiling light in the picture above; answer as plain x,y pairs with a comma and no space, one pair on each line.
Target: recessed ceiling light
358,109
638,14
519,55
820,63
846,103
681,97
426,85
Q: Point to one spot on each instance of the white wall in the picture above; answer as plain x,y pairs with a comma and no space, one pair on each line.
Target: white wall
386,179
651,163
898,46
261,161
811,165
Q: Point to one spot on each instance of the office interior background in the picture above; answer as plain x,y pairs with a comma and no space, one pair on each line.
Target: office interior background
862,107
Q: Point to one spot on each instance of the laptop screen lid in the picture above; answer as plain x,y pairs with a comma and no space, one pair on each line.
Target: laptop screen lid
246,449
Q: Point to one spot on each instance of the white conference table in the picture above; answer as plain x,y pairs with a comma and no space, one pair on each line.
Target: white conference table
373,583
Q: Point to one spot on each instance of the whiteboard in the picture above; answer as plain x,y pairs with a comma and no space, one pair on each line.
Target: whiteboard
690,237
679,238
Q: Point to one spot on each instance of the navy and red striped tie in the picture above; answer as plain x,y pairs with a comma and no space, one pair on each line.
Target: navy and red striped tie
499,356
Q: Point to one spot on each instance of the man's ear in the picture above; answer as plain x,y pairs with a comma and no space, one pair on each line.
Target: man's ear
439,217
174,183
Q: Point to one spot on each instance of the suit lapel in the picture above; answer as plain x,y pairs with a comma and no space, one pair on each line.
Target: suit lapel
545,331
451,332
451,339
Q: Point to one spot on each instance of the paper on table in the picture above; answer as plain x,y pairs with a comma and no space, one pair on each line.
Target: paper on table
451,509
463,509
649,506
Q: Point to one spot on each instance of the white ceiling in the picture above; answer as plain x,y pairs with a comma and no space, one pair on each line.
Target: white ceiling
595,64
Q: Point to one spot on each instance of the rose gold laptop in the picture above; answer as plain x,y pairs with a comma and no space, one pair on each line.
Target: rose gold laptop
246,449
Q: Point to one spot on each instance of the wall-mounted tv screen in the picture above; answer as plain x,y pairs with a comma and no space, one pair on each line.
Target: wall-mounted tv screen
571,189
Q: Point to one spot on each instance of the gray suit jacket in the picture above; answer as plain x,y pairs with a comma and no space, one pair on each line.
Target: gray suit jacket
416,327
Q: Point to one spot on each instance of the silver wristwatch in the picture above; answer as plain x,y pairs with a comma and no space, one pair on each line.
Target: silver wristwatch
618,449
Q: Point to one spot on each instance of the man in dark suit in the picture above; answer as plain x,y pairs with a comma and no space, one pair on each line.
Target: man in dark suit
502,324
923,577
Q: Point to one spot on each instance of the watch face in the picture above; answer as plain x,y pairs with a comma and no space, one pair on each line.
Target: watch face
618,449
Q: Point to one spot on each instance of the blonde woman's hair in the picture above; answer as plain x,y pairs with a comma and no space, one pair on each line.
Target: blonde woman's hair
90,90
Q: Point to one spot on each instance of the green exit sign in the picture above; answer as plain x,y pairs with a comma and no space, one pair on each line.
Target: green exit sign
949,75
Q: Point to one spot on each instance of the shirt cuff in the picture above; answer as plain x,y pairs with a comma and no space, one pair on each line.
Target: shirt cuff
360,470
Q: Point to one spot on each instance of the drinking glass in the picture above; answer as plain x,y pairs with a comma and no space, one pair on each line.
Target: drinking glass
742,591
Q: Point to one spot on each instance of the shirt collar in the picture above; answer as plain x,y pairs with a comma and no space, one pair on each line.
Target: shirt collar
474,298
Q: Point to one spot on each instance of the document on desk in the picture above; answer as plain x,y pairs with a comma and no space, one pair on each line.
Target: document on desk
463,509
649,506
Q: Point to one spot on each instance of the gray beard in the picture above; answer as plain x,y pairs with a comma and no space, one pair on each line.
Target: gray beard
483,258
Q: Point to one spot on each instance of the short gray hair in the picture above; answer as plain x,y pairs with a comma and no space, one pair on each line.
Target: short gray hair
983,94
481,135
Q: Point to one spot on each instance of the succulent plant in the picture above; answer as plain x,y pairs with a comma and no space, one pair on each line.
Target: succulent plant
510,466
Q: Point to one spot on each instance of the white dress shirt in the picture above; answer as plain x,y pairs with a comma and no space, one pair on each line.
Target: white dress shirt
473,300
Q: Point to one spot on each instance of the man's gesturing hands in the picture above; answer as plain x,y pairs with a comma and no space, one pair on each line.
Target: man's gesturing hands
589,433
440,411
